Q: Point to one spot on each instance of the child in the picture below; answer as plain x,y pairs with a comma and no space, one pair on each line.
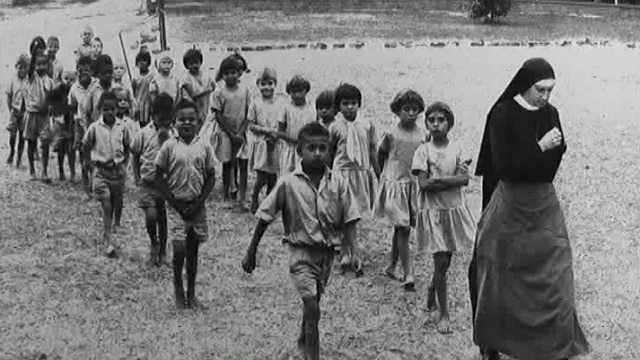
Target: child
296,114
145,149
36,120
230,104
325,108
103,71
140,86
320,208
122,113
80,104
85,48
185,175
62,129
196,86
107,142
56,69
16,102
164,81
96,48
355,158
119,82
444,224
397,191
263,117
38,45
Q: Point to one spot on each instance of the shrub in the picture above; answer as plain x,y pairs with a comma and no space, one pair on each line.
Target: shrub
491,9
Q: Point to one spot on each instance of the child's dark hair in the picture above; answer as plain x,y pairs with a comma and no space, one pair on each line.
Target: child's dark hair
163,103
243,66
37,47
229,63
298,83
443,108
85,60
267,74
101,63
347,92
192,54
185,104
404,97
143,56
109,95
313,129
325,99
98,40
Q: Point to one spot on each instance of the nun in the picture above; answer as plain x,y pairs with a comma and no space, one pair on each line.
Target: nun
521,275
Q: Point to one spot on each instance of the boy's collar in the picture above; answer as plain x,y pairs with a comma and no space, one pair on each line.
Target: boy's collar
299,171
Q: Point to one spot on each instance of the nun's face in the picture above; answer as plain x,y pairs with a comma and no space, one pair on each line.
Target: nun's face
539,93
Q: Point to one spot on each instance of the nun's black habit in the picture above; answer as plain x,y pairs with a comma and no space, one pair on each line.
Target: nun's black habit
525,292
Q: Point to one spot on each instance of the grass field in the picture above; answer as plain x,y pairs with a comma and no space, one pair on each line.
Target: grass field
59,297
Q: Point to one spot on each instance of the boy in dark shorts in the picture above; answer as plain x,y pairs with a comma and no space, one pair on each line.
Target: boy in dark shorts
145,149
185,173
320,209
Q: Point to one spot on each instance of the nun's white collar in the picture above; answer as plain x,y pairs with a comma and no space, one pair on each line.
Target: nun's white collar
522,102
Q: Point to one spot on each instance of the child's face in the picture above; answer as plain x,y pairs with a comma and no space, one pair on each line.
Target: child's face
409,114
193,66
314,151
187,123
68,77
52,48
143,65
96,48
298,96
437,124
22,70
267,88
230,77
165,66
106,75
123,102
118,72
109,108
84,75
349,108
326,113
87,36
42,64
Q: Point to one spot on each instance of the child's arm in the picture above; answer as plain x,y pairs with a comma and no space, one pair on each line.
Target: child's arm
222,122
136,150
163,189
9,99
153,89
282,130
383,150
249,260
197,95
87,144
442,183
209,183
373,154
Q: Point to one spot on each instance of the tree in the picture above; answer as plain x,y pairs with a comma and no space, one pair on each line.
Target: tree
491,9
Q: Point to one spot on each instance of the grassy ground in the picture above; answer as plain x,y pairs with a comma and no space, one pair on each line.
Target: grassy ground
60,298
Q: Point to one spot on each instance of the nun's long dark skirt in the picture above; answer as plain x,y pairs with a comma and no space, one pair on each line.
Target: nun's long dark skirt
525,303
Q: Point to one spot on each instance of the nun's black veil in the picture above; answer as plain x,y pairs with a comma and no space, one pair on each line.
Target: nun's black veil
532,71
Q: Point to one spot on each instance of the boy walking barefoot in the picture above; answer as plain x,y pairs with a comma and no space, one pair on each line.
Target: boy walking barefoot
320,208
107,143
185,174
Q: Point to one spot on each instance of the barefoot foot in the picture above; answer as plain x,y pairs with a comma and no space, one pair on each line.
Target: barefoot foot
443,325
409,284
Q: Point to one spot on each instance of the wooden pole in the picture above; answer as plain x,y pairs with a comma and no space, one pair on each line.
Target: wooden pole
124,54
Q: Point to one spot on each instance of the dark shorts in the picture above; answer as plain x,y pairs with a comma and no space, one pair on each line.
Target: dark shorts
148,196
37,126
108,182
310,269
78,134
16,122
178,227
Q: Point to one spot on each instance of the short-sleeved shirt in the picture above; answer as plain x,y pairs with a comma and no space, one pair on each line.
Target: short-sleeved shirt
165,84
133,127
316,216
199,83
146,145
108,144
80,97
56,71
36,96
439,162
295,117
17,90
363,132
186,165
401,144
233,104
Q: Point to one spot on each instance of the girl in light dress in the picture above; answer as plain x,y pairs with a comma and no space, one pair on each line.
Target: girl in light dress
444,224
396,196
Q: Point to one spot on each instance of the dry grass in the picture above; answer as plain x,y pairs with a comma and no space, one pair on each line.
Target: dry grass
61,298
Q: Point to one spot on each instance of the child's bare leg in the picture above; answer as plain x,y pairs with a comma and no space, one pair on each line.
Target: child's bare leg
311,320
20,149
271,182
107,210
431,296
31,154
192,269
151,217
118,204
442,260
257,187
226,179
12,147
391,269
161,211
178,264
404,253
61,153
71,158
243,169
45,161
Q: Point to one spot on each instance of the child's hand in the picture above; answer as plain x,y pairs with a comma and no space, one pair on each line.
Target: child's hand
237,139
249,261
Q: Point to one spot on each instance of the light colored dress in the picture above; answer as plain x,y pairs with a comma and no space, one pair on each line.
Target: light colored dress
396,195
265,113
353,141
444,222
168,84
199,83
294,117
141,84
233,103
